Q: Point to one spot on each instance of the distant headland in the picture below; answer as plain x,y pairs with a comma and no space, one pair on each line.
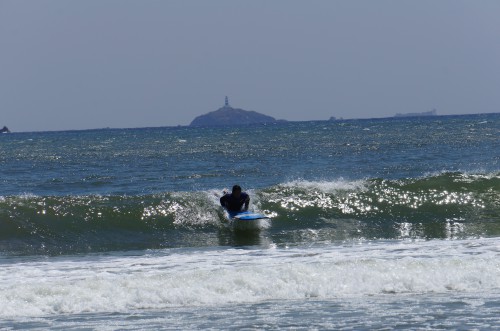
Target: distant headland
229,116
423,114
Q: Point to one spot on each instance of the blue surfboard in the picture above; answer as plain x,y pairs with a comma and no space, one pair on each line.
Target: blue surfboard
248,216
247,220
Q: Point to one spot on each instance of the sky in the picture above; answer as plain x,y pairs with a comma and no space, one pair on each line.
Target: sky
67,65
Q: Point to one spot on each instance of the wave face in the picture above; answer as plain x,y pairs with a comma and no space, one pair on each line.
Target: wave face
439,206
444,205
60,225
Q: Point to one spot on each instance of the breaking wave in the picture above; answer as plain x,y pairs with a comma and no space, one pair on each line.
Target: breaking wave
444,205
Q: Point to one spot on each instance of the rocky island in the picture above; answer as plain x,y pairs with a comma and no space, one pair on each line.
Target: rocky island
230,116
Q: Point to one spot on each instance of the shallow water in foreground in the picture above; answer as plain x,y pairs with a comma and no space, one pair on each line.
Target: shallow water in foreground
438,284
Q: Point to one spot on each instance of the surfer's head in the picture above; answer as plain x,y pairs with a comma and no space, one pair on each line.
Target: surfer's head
236,191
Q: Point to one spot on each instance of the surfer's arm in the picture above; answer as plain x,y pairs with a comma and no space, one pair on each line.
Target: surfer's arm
225,202
247,202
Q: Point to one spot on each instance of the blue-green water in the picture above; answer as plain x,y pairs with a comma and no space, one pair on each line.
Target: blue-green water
374,224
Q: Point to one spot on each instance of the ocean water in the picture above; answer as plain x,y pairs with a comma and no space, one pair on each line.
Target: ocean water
382,224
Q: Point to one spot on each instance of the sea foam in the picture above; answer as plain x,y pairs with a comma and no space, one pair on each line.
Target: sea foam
175,278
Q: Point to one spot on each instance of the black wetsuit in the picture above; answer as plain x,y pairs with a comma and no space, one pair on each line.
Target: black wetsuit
233,204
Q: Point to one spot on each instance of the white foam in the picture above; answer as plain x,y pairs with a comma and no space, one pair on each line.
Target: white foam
321,194
216,277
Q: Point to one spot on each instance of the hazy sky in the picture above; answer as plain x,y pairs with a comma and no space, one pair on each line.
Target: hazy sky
93,64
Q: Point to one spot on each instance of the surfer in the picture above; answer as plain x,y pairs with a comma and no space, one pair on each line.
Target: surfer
236,200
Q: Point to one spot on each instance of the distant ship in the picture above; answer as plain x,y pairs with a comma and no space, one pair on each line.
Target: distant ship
4,130
423,114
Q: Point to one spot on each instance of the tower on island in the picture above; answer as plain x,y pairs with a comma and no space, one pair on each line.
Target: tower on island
226,103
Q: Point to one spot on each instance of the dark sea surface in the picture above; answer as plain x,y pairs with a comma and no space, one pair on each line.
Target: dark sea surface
374,224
